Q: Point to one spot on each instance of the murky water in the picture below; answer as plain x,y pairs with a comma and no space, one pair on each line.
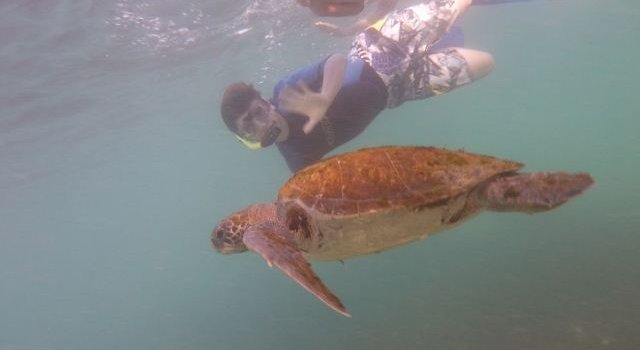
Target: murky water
115,166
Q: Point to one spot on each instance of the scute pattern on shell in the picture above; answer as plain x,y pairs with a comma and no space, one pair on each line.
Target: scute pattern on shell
380,178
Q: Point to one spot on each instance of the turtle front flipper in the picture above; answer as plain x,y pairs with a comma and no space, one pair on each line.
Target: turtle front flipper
534,192
274,243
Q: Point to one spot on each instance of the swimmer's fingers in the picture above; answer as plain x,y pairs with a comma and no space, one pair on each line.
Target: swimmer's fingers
302,87
329,28
325,26
301,100
287,98
295,91
311,124
293,98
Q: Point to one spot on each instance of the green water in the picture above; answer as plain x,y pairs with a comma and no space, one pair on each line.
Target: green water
115,168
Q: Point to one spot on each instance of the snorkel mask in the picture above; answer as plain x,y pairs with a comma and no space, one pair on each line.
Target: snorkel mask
259,109
334,8
267,140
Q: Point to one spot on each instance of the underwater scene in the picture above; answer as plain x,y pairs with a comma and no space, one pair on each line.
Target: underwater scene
122,178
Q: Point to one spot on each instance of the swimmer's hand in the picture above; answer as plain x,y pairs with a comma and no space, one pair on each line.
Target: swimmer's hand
331,29
302,100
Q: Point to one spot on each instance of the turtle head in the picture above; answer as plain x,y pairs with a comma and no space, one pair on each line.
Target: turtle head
227,235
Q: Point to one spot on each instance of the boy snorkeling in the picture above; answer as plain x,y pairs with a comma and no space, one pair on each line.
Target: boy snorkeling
324,105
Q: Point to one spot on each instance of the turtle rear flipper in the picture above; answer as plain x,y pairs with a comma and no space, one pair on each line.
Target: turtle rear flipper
274,243
533,192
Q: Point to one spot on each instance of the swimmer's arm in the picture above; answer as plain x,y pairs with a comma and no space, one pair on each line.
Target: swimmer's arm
302,100
383,8
332,76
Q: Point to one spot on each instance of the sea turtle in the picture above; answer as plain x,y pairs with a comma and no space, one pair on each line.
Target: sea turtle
377,198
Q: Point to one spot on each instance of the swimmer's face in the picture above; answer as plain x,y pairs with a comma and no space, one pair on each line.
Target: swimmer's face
259,126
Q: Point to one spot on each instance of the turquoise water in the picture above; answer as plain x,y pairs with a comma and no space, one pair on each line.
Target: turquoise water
114,167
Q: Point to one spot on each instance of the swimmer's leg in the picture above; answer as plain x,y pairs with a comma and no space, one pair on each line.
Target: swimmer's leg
439,73
418,27
451,68
447,11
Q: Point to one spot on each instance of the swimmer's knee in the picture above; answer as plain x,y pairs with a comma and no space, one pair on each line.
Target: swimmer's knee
480,63
485,65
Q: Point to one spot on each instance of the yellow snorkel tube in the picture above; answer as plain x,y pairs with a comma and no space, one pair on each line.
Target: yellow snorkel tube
267,140
252,145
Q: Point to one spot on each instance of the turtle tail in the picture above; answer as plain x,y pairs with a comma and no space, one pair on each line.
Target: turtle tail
533,192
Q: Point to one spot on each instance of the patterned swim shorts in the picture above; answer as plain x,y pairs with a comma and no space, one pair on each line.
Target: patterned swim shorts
398,46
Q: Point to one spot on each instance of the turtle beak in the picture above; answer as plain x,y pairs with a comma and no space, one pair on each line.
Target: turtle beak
217,240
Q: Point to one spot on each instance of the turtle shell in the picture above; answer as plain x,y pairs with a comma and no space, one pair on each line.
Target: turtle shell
383,178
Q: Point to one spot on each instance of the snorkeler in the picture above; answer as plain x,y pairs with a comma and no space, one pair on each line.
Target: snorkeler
341,8
324,105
